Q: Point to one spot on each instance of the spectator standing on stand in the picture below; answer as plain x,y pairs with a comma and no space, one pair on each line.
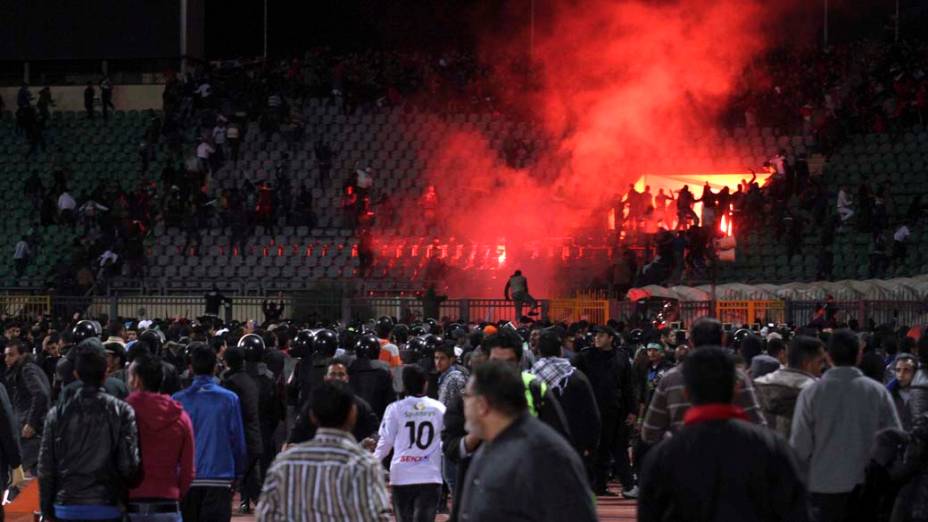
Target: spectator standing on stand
106,97
45,101
844,205
204,152
21,255
89,95
220,132
234,137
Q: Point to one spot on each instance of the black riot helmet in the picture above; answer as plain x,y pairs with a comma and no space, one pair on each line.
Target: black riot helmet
253,346
85,330
432,342
383,327
302,344
154,339
325,342
416,344
433,326
418,330
367,347
636,336
740,335
400,334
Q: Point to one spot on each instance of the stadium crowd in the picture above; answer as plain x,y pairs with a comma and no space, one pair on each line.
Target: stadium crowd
168,419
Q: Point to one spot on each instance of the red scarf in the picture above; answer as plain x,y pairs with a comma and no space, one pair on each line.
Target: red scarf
715,411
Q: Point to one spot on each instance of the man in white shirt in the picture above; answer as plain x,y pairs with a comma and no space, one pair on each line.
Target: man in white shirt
844,205
21,256
900,238
66,206
412,427
204,151
219,138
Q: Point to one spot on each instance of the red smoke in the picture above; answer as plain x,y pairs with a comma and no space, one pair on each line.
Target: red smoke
621,87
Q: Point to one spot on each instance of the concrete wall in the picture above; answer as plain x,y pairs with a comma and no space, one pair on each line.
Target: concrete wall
71,97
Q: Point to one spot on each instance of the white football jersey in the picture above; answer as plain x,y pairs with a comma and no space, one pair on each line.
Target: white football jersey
411,427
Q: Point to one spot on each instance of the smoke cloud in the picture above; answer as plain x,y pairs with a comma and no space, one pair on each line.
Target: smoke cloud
619,88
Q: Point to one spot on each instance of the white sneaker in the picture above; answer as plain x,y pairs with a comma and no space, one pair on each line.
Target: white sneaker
632,493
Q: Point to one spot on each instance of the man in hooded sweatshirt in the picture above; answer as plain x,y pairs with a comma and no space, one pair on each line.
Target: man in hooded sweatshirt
166,442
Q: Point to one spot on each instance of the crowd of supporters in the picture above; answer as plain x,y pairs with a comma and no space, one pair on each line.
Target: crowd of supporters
833,415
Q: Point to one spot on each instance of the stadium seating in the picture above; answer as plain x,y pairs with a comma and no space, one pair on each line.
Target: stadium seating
395,144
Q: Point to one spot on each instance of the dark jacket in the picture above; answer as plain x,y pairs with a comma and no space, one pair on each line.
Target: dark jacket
30,392
48,364
270,403
10,456
170,384
90,452
719,470
246,390
367,424
904,412
372,383
307,376
272,311
610,374
528,472
918,401
578,403
112,386
213,301
548,411
912,502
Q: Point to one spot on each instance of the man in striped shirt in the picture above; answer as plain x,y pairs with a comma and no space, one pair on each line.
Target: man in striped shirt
329,478
669,404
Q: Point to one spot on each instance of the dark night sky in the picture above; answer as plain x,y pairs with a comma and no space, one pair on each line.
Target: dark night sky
346,24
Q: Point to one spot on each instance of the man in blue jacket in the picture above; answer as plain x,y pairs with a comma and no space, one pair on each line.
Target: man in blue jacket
219,438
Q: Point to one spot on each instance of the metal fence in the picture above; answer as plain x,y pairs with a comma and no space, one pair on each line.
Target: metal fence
24,305
862,311
476,310
579,308
748,312
324,307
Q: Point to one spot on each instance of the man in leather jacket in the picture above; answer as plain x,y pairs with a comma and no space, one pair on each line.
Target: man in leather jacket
30,394
89,457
